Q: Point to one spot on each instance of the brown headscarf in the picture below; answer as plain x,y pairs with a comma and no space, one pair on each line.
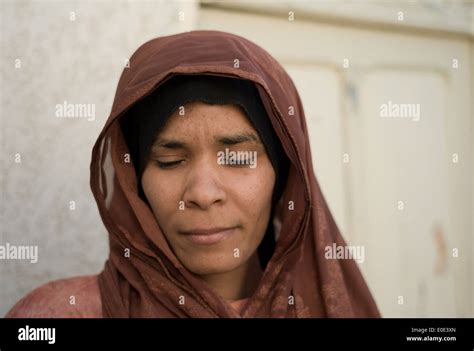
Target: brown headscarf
143,278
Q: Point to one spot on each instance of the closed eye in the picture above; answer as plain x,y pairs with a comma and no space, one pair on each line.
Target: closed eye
168,165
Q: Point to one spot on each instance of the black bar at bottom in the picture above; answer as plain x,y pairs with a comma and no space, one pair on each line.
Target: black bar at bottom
398,334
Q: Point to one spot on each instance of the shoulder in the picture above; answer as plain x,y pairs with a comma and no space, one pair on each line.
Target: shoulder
71,297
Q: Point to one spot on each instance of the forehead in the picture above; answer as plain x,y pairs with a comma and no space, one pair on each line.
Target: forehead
198,117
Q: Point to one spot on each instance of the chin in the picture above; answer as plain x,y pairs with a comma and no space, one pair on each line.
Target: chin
211,265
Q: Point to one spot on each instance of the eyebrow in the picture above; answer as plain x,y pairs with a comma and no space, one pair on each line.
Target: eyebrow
232,139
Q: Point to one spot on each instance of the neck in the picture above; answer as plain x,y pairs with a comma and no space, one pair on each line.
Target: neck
239,283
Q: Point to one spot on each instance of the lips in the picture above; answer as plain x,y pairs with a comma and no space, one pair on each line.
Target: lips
208,236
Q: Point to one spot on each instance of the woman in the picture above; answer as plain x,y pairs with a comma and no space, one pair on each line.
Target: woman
204,181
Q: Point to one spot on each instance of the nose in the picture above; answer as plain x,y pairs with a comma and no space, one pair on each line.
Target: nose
203,186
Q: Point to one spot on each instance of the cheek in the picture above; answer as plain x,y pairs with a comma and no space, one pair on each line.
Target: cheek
255,206
258,188
254,194
161,192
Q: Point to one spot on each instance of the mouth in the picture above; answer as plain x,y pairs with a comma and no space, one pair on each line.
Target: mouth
208,236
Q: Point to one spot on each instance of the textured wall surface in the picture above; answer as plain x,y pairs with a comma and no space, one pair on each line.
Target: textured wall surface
51,53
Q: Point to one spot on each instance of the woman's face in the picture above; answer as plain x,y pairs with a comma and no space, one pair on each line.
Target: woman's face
213,211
